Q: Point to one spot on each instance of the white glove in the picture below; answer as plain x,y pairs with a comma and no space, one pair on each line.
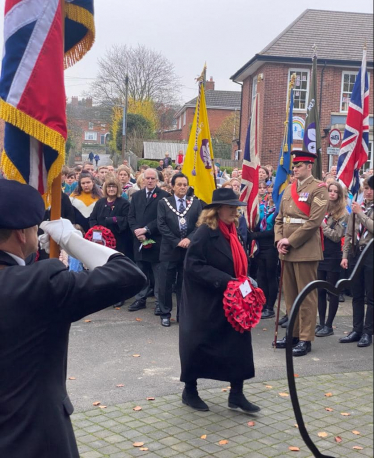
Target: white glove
60,230
44,242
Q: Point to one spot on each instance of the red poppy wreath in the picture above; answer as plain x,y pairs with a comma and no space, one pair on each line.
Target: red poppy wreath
107,235
243,313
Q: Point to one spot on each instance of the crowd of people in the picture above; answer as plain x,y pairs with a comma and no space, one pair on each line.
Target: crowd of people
147,231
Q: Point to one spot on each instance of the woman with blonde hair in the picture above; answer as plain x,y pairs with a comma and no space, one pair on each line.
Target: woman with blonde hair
333,227
112,212
217,351
84,198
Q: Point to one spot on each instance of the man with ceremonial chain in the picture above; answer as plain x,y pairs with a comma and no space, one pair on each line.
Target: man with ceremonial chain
177,216
298,238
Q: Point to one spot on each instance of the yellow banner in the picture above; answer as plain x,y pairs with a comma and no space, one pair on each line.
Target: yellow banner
199,161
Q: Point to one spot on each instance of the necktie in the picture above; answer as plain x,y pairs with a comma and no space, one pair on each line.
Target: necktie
149,193
182,222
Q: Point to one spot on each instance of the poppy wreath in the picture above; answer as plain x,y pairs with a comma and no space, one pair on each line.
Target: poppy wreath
243,313
110,240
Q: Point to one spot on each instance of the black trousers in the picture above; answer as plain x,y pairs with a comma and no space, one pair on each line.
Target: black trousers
148,268
363,286
267,276
331,277
168,271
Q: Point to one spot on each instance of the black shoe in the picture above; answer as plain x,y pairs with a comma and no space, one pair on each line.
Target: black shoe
325,331
239,401
157,311
285,324
318,328
351,337
119,304
283,320
365,341
267,314
302,348
341,298
165,322
194,401
283,342
137,305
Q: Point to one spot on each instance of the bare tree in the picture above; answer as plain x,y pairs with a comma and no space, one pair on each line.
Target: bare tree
151,76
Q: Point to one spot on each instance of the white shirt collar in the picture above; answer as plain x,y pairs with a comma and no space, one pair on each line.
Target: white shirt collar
178,198
18,260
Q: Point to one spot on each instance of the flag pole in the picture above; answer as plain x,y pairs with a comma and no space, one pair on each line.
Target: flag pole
56,184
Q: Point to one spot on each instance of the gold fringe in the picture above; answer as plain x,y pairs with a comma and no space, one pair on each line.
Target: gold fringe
84,17
43,134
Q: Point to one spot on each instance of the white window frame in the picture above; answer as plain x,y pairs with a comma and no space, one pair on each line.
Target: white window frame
88,135
254,88
180,122
90,125
369,164
345,72
304,70
184,118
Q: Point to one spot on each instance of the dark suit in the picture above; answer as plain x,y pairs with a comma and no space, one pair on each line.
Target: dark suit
37,305
167,161
172,256
143,213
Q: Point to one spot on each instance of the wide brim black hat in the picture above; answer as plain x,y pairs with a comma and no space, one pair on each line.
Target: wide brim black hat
225,196
21,205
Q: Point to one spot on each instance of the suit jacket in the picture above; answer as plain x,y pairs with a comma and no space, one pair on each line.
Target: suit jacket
305,239
37,305
168,225
143,213
167,161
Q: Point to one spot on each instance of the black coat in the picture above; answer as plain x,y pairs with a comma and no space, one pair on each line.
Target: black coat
102,215
168,225
209,346
37,305
144,213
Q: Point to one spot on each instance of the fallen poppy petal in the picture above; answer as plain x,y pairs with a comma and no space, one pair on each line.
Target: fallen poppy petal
136,356
322,434
150,399
338,439
251,423
120,385
137,408
87,321
203,436
345,414
284,395
328,395
269,387
102,407
72,378
97,403
138,319
328,409
296,375
223,442
294,449
357,433
138,444
357,447
144,449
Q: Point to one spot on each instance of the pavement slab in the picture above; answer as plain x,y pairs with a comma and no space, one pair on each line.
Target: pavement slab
167,428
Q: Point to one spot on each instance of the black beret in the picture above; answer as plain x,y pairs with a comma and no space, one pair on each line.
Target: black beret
370,181
21,205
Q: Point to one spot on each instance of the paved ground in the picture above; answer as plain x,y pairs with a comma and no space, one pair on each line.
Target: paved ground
165,428
115,347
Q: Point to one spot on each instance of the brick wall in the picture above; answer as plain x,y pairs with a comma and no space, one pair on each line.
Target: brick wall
273,97
170,135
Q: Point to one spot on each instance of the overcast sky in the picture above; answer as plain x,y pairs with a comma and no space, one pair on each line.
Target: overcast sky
223,33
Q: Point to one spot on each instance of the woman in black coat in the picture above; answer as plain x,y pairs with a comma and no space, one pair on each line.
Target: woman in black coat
112,212
209,346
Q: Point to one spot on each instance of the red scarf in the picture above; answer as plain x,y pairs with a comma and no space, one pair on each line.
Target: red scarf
238,253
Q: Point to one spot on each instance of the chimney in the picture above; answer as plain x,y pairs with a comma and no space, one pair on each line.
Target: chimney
74,101
89,102
209,85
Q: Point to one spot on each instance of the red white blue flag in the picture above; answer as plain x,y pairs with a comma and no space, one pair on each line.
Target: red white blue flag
32,91
251,165
354,149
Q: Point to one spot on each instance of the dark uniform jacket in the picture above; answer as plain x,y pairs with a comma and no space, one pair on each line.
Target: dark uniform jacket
143,213
209,346
168,225
37,305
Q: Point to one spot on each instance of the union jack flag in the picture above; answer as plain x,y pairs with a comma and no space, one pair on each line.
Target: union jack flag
32,91
354,149
251,165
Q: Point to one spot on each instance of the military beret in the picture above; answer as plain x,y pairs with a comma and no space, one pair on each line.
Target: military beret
21,205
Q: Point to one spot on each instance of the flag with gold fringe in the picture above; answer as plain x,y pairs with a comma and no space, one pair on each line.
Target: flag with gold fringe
32,92
282,177
198,165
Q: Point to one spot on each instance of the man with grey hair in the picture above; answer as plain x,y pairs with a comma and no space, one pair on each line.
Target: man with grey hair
147,238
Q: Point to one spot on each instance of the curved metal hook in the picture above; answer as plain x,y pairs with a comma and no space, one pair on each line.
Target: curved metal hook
340,285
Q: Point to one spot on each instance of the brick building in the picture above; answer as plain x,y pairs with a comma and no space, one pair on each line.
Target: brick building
220,105
339,37
88,124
